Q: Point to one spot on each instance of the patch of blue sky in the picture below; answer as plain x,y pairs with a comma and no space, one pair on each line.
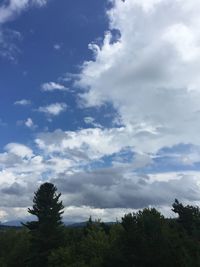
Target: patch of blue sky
125,156
115,35
179,148
178,158
69,26
167,164
104,115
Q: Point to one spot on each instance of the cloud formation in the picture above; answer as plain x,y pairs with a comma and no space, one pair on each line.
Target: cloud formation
30,124
68,159
23,102
19,150
11,8
53,109
147,68
117,188
156,88
52,86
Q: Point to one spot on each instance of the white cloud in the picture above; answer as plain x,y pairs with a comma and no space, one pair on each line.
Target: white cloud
9,10
30,124
151,74
23,102
52,86
91,121
12,9
19,150
106,192
53,109
93,142
7,176
15,7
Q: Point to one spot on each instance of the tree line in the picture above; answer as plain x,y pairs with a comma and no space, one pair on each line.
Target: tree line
141,239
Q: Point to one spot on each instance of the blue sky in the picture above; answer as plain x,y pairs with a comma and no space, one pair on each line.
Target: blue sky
69,28
101,98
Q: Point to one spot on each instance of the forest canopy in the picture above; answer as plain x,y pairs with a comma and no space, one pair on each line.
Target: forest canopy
143,238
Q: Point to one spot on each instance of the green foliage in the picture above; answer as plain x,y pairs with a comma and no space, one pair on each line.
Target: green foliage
61,257
94,245
141,239
188,217
14,248
47,232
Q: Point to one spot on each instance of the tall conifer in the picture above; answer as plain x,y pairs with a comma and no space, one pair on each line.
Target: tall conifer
47,231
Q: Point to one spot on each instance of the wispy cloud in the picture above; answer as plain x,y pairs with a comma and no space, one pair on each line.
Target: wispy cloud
57,46
14,7
91,121
8,43
9,10
53,109
52,86
23,102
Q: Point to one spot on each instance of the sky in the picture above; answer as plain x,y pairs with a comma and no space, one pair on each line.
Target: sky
101,98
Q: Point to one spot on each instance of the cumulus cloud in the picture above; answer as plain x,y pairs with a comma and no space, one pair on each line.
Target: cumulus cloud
52,86
53,109
92,142
119,185
97,142
119,188
19,150
66,158
156,88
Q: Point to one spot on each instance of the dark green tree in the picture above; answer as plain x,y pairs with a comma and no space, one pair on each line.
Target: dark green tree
47,231
188,217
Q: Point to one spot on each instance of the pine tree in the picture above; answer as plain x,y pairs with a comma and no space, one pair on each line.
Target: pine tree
47,231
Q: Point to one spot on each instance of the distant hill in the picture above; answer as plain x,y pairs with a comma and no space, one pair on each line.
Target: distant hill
76,225
17,223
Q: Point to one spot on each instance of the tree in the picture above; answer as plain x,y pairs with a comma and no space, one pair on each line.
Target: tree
95,244
47,231
188,217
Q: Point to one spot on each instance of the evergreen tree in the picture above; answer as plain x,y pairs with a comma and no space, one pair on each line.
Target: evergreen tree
47,231
188,217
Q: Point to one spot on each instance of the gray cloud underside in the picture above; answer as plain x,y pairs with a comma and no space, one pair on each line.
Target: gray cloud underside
116,187
109,188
